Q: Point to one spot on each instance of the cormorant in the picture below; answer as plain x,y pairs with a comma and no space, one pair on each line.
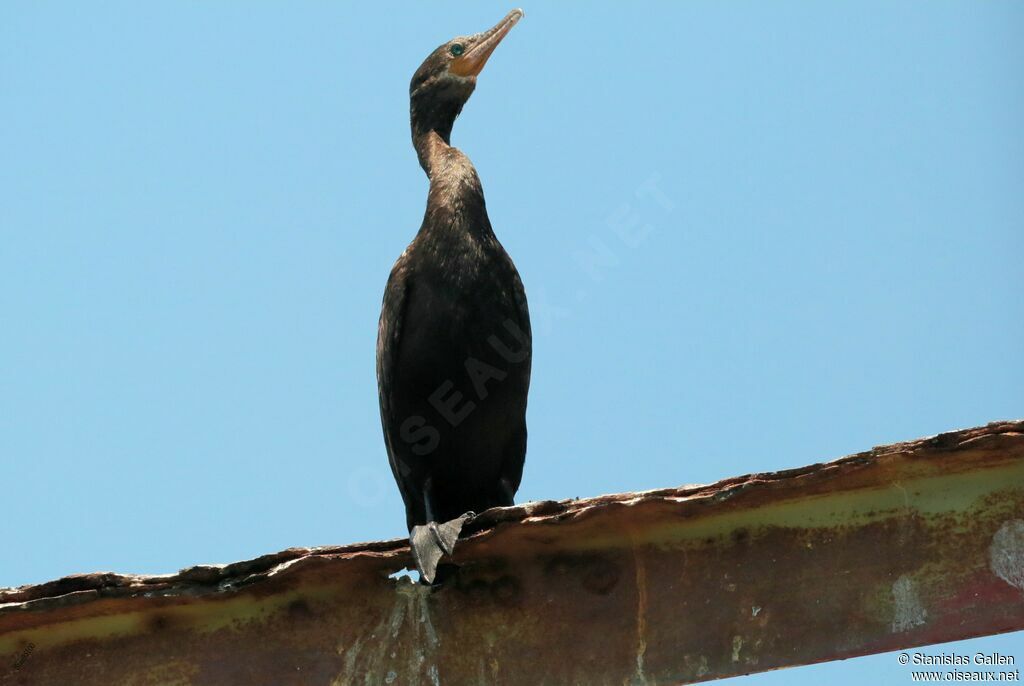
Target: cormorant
453,344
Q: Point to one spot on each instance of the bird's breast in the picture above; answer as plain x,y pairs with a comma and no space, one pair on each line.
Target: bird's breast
458,303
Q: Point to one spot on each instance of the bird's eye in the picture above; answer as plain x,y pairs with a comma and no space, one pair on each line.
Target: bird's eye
457,49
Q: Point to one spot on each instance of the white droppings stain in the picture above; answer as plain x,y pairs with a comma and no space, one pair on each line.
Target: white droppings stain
754,611
702,666
737,646
394,621
408,622
1006,554
641,616
426,621
348,671
909,612
415,598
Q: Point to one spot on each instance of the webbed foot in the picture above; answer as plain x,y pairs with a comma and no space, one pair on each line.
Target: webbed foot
432,541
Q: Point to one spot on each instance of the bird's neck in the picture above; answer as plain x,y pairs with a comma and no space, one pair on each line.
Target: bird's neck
432,147
455,203
431,120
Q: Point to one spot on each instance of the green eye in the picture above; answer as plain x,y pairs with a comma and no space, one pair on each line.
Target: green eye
457,49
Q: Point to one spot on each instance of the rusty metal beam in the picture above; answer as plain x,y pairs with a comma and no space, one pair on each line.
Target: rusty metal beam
900,546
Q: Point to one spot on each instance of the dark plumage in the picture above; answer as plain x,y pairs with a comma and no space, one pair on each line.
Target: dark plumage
454,343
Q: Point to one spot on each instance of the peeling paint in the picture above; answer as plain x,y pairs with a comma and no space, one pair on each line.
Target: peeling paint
1006,554
908,610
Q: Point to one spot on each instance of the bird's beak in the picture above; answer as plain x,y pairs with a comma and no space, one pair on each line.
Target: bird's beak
472,63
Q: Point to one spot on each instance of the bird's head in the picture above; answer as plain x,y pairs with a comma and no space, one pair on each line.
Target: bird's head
446,79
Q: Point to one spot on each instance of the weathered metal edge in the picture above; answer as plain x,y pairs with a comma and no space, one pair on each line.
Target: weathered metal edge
205,579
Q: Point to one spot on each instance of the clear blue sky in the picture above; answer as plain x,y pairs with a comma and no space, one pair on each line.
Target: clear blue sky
200,204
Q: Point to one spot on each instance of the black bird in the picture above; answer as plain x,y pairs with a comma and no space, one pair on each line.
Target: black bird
454,345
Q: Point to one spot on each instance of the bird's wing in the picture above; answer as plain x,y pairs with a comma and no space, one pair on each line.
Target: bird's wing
522,308
515,455
389,333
